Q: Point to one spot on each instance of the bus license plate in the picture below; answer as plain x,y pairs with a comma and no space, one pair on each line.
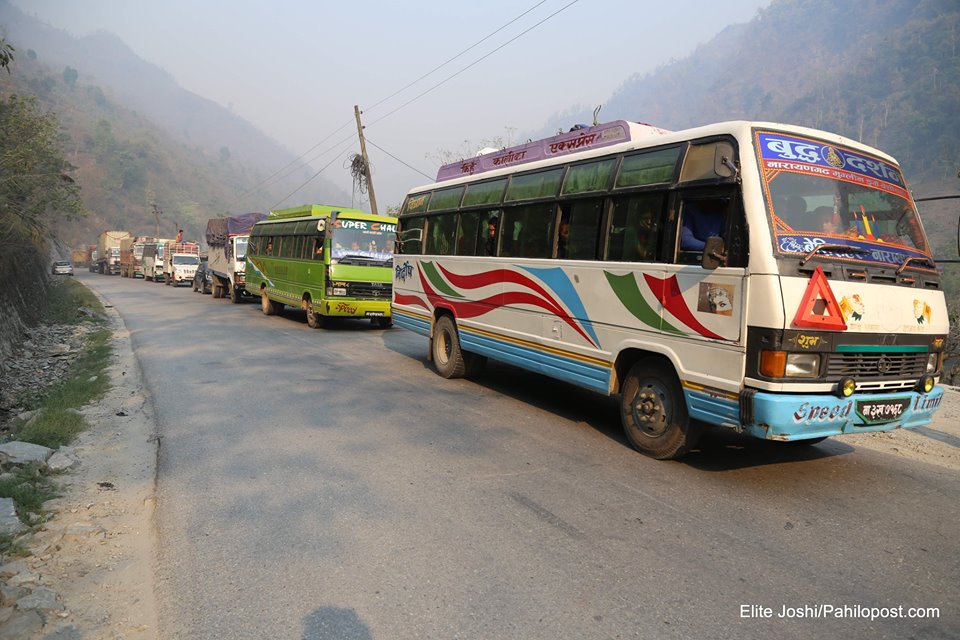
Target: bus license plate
878,411
374,314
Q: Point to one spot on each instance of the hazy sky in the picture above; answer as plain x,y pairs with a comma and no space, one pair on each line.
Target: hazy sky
295,68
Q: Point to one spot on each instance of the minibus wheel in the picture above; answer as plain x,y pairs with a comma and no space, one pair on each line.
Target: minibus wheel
266,304
314,319
447,356
654,412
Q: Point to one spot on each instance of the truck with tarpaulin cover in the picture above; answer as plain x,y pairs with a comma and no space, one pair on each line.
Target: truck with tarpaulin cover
227,240
108,251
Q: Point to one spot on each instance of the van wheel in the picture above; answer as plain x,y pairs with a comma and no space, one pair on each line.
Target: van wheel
266,304
314,320
447,356
654,413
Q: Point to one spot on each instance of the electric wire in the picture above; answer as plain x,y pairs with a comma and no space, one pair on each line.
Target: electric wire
472,64
372,143
311,178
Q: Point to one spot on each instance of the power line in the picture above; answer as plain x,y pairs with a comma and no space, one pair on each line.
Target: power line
472,64
443,64
311,178
398,159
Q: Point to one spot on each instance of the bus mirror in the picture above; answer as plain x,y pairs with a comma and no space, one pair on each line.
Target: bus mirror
714,253
322,225
723,164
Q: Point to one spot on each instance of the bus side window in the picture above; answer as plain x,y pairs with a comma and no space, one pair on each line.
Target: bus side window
441,232
318,248
528,231
700,218
579,229
635,228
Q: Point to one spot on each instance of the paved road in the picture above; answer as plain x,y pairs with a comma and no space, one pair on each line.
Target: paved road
327,484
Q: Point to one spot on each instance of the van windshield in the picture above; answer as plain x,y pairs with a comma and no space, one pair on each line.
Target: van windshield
186,260
819,194
365,239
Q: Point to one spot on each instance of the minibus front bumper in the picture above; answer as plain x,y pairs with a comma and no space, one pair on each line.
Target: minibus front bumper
779,416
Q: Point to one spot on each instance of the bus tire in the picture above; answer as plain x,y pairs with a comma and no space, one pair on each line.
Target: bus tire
654,412
383,323
314,320
447,356
266,304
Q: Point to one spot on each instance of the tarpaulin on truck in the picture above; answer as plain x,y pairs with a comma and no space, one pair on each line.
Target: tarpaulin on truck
219,229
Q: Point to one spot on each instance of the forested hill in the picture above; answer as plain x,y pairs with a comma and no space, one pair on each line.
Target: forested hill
886,72
136,137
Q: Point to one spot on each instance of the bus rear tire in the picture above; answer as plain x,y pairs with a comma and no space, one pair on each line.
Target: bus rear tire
654,412
266,304
383,323
447,356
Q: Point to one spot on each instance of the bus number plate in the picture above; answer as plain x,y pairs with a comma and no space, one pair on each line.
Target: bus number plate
374,314
879,411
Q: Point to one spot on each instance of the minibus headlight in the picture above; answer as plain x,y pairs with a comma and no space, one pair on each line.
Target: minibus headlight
933,362
802,365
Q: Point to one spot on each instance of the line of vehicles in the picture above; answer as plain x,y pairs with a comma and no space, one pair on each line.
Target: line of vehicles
766,278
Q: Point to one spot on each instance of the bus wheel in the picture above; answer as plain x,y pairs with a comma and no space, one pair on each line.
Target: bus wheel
447,357
314,320
654,413
266,304
383,323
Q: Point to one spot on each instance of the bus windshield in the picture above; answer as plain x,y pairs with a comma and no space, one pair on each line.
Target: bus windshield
818,194
364,240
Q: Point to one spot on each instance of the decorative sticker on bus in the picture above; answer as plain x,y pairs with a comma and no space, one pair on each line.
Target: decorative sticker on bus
802,155
601,135
862,249
852,308
440,286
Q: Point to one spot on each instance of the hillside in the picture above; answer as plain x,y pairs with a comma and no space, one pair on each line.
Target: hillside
137,138
886,72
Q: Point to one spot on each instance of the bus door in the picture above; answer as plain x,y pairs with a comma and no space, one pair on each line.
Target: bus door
702,302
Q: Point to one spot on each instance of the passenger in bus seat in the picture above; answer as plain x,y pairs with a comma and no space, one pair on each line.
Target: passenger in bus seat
491,245
702,219
825,220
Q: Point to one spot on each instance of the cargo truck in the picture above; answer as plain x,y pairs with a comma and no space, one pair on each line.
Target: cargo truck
131,256
180,262
227,241
108,251
153,259
80,257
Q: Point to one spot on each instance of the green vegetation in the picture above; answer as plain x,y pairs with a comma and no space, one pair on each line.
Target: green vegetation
57,420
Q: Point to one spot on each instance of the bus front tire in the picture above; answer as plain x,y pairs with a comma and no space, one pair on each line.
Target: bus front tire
314,320
654,412
382,323
447,356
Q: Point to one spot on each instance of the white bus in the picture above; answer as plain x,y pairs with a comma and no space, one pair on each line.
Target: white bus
768,278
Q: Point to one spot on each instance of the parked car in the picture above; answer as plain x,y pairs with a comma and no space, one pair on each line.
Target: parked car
62,268
203,279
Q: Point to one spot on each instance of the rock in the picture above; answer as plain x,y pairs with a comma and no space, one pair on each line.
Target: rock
61,461
82,530
24,452
12,568
26,415
9,522
10,594
21,625
42,599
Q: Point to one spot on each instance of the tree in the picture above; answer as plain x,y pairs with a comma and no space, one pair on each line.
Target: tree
70,76
35,189
6,54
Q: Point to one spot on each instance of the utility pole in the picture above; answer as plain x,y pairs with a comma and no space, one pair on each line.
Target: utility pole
157,212
366,161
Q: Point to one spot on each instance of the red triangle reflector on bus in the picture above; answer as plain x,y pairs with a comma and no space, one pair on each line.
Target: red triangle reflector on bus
819,308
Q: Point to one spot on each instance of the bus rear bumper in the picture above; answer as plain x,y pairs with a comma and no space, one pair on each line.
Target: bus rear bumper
800,417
